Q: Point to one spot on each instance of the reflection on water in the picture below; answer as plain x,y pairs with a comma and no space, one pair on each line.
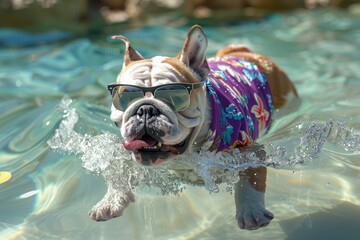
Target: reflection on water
49,193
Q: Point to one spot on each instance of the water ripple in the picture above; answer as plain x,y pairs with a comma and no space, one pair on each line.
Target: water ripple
318,49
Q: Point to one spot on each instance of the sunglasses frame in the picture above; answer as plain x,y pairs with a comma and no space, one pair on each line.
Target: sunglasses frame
188,86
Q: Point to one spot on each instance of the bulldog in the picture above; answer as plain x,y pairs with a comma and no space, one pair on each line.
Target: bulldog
171,106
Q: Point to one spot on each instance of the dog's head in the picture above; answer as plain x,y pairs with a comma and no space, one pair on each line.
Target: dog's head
159,103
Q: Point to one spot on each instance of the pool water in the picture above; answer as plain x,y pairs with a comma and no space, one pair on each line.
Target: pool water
47,79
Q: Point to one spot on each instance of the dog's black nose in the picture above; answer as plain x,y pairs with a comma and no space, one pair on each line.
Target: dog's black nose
147,111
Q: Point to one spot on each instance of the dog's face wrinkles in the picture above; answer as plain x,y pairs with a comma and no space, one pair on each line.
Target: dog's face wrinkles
152,130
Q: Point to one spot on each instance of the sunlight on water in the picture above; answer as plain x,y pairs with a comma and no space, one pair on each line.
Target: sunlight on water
104,154
312,152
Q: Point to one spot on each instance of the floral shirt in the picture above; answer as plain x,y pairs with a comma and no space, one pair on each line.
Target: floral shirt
241,103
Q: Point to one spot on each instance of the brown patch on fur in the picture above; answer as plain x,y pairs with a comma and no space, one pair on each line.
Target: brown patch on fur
138,61
123,70
130,53
230,49
188,76
256,177
279,82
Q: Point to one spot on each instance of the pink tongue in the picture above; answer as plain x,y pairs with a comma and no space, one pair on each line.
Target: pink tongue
138,144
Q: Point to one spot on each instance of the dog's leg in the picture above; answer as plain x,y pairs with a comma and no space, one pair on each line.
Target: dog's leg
249,199
112,205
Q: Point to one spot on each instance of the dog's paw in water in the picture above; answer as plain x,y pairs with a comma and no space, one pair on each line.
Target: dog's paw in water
251,213
253,217
112,205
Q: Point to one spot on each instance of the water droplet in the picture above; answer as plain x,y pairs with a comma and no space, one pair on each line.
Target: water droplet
329,184
47,123
18,83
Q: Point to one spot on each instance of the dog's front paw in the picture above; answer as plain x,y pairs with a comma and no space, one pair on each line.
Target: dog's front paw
253,217
111,206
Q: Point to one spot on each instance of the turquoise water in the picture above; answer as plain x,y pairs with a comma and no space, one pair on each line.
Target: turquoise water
50,192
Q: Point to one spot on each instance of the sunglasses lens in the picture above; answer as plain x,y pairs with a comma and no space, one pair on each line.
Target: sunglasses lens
122,96
178,96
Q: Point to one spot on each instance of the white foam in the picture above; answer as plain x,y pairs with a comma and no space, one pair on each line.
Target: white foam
104,154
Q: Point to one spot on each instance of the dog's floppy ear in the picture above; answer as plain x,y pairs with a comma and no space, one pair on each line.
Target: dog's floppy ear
130,53
193,51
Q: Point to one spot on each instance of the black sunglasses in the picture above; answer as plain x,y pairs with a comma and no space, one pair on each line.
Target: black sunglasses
176,94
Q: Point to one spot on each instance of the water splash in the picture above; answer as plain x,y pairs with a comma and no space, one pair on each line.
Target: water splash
104,154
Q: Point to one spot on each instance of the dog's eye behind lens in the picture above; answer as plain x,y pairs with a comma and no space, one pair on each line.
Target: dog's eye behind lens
123,96
178,96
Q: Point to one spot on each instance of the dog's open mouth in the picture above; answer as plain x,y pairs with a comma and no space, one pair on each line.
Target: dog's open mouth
152,150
